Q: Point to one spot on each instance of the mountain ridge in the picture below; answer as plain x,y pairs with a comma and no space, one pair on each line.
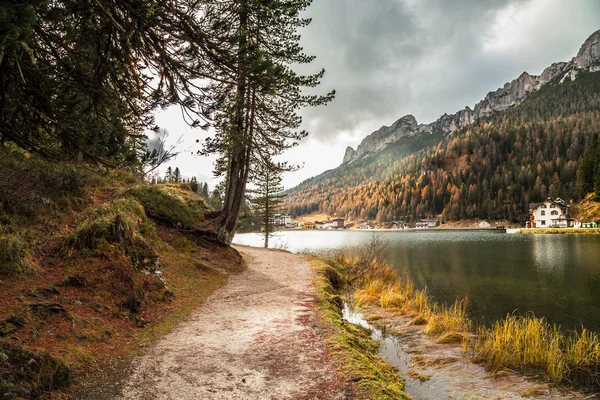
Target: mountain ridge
510,95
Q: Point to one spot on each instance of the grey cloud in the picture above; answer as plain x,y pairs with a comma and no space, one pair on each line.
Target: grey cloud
388,58
156,140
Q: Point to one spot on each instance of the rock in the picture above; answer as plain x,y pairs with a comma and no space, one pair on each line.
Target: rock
30,374
44,292
484,224
77,281
118,230
350,152
141,322
589,53
3,357
50,308
405,126
13,392
552,72
11,325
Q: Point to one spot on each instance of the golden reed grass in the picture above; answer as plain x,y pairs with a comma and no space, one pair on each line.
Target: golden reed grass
523,343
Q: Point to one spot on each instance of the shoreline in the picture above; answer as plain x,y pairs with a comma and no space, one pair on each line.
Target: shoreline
522,344
554,231
512,231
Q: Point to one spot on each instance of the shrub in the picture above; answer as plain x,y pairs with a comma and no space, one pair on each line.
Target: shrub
13,249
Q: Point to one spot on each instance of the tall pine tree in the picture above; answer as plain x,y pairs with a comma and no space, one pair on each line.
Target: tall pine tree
259,94
267,199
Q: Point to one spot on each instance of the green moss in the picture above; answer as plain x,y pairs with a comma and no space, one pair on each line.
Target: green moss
351,345
174,204
122,220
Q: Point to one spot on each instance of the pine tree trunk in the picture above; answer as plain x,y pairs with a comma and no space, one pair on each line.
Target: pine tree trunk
238,174
267,214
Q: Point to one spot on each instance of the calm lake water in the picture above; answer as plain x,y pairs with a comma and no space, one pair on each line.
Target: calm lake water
554,276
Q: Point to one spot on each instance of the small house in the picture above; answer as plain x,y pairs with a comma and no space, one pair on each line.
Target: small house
551,213
399,225
322,224
338,223
366,225
281,220
427,223
309,225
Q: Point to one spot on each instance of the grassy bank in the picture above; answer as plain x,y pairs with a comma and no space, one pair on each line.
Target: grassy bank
351,345
93,266
521,343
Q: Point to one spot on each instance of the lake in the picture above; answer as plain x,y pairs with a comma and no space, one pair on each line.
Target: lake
555,276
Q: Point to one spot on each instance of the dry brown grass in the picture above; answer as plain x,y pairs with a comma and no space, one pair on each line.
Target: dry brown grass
521,343
381,286
526,343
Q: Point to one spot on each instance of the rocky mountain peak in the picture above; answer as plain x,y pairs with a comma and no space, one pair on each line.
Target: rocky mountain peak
589,54
405,126
511,94
349,154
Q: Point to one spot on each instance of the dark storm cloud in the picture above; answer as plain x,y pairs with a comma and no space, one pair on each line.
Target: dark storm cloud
388,58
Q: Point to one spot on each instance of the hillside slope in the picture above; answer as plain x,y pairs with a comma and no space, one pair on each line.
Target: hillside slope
91,266
490,168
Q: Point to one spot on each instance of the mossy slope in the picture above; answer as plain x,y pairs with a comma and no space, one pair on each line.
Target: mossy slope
92,263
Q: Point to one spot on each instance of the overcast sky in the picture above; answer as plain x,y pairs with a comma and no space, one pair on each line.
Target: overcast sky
389,58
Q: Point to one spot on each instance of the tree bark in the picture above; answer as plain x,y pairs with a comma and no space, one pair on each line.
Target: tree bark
237,176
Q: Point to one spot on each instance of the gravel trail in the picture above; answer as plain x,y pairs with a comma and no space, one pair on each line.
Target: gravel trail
255,338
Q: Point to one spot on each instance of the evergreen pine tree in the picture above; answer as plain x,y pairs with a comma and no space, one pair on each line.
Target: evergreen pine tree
76,78
259,94
177,175
267,199
204,192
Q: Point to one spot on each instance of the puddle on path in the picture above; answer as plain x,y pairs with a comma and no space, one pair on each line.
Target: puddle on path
451,375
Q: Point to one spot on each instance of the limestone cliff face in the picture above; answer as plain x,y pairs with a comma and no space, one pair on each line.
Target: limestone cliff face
350,152
513,93
405,126
589,54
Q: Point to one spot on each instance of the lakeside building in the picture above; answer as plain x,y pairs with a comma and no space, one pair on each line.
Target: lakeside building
281,220
338,223
551,213
366,225
426,223
309,225
322,224
399,225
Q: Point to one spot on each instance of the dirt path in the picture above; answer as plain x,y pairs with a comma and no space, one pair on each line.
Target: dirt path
255,338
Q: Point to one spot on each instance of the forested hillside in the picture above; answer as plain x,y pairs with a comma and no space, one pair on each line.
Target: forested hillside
492,169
